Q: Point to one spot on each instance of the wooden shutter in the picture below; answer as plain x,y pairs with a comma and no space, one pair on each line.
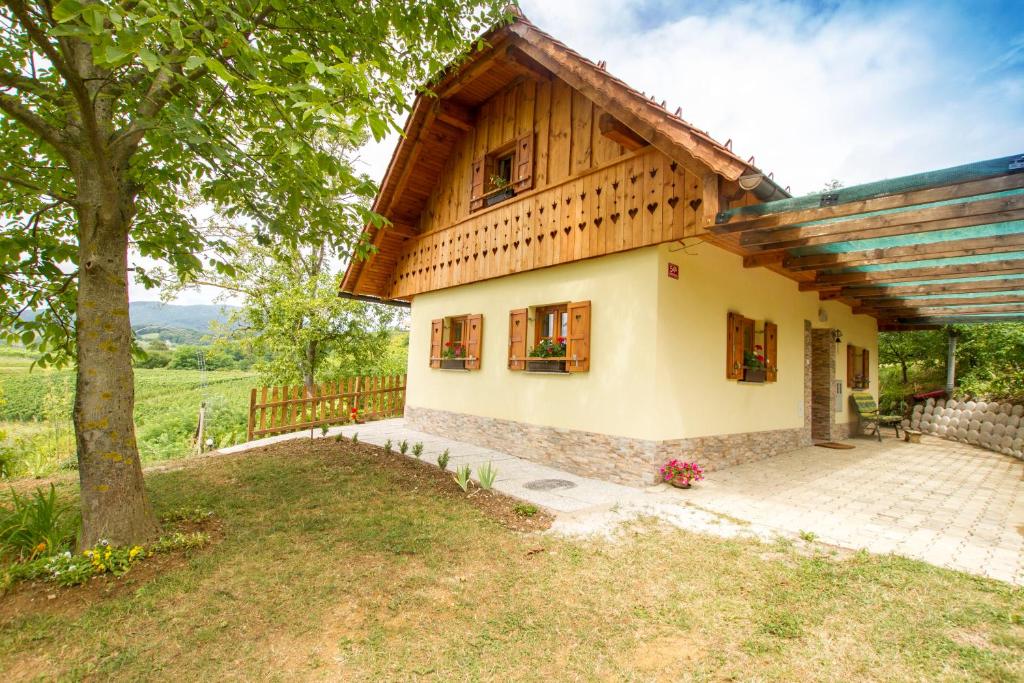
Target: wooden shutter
851,356
517,321
865,369
474,340
476,194
734,347
577,348
771,351
436,335
522,177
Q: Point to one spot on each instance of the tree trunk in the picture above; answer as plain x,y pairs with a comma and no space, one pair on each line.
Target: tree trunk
309,364
115,506
903,369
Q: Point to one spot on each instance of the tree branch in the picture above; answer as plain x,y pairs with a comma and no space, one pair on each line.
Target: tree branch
16,110
38,189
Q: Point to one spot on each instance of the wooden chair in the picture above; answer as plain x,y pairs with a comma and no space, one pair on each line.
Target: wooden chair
870,418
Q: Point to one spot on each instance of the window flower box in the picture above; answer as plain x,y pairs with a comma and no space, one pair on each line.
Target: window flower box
545,365
754,374
453,363
499,196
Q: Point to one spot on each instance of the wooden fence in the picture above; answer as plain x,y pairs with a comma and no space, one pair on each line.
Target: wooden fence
278,410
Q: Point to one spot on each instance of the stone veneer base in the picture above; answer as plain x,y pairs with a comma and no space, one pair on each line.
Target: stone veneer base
612,458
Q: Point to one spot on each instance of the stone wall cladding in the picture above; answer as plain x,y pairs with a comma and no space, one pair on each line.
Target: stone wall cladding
623,460
823,369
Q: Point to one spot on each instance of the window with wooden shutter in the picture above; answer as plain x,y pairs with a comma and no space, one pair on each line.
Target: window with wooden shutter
474,341
858,367
771,351
751,349
436,338
517,323
577,346
734,347
851,370
476,194
523,177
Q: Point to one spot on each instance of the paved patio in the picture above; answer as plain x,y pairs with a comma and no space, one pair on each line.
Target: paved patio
946,503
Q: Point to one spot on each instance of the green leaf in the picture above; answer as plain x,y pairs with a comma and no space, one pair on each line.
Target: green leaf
193,62
219,69
297,57
67,10
149,59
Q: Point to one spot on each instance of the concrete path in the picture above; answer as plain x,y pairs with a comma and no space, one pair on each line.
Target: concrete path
949,504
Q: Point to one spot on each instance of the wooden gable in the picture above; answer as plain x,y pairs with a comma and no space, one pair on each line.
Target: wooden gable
608,170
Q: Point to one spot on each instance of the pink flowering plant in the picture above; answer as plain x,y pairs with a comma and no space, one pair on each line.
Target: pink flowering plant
454,351
679,472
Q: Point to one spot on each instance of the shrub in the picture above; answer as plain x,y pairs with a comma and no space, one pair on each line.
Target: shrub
487,474
442,460
355,437
462,477
34,526
417,450
403,447
387,446
525,509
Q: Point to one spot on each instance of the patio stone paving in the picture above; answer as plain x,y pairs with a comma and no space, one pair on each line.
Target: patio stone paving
949,504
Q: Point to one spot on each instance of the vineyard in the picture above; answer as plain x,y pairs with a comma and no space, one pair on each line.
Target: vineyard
35,413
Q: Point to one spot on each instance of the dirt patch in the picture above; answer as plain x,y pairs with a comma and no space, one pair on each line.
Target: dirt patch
46,598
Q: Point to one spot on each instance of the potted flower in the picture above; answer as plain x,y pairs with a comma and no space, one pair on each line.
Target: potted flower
754,365
681,474
354,415
552,353
501,190
453,356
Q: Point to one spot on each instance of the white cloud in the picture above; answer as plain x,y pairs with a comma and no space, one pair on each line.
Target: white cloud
856,93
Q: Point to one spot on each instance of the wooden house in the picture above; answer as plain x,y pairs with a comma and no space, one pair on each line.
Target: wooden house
570,303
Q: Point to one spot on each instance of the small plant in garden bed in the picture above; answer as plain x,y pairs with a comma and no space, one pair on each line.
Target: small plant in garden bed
355,437
186,514
462,477
487,474
525,509
442,460
34,525
417,450
681,474
403,447
387,446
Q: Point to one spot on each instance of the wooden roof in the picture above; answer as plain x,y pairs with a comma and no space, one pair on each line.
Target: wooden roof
443,112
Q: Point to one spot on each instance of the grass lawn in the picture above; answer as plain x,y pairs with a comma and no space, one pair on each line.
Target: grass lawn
340,562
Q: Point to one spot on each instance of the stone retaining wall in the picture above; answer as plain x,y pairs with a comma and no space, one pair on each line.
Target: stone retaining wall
997,427
613,458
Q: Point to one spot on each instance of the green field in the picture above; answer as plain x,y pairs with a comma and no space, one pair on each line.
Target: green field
35,414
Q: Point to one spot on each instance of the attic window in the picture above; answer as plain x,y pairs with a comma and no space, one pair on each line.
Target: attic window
502,173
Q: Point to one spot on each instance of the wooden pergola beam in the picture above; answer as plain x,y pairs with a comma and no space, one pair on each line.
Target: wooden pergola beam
1007,267
966,247
966,214
896,305
934,311
895,201
994,285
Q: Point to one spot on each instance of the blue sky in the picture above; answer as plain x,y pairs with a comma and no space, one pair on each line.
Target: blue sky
813,89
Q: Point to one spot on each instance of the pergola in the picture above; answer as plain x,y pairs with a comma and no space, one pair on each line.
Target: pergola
915,252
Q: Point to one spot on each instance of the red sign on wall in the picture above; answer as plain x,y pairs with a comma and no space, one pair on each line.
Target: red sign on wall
673,271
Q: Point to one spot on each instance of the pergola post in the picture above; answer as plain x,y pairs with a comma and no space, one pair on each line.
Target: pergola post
950,361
